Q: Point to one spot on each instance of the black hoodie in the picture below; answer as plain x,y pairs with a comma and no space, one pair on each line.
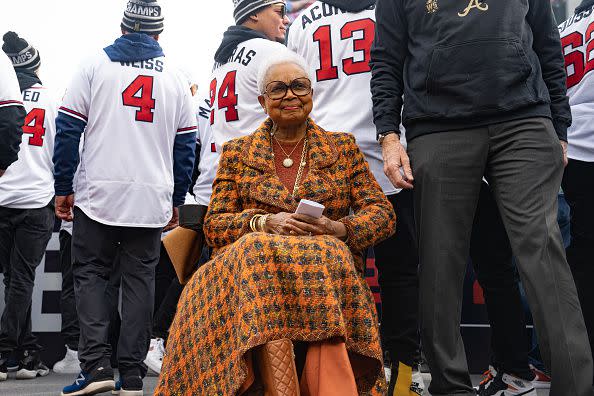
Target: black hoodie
234,36
351,5
584,5
462,64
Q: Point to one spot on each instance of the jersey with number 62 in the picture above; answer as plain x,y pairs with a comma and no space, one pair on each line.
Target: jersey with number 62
236,111
132,111
29,182
577,39
336,44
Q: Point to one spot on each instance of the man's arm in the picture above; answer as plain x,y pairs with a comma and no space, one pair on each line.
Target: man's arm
68,132
184,154
547,45
12,119
388,54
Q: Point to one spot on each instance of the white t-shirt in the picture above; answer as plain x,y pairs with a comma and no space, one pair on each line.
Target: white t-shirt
133,112
233,91
576,40
209,155
10,94
337,45
29,182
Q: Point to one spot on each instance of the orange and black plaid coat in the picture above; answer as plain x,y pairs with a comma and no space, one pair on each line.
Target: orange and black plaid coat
260,287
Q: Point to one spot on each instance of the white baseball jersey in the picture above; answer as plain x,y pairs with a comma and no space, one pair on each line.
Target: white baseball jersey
209,155
133,112
29,182
234,92
336,45
577,39
10,94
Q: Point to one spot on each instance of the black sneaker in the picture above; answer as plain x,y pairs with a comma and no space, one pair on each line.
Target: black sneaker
3,367
129,386
31,367
98,381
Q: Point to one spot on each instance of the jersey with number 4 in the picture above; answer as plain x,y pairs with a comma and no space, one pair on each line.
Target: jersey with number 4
577,39
236,111
336,44
29,182
133,111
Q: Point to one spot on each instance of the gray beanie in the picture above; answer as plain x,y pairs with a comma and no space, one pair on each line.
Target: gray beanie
22,55
245,8
143,16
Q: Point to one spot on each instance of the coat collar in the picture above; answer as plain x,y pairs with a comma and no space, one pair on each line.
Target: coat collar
257,153
317,185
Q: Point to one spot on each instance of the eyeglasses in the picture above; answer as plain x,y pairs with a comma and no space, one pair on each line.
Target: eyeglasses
283,11
278,90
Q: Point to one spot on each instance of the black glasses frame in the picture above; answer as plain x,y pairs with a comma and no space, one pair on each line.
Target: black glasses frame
290,86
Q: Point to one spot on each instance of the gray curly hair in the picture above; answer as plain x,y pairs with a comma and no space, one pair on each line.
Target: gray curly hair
286,57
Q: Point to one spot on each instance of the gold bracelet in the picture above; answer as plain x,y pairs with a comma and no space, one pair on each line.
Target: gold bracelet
253,222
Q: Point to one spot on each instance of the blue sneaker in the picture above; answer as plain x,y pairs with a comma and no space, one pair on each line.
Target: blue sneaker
99,381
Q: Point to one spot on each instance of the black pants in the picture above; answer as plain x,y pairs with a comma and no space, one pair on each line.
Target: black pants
397,262
24,235
493,263
94,249
167,293
578,185
70,329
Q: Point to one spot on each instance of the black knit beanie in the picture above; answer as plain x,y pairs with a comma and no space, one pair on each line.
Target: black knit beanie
245,8
143,16
22,55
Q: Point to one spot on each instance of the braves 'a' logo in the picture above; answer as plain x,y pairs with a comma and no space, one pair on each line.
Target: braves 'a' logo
479,5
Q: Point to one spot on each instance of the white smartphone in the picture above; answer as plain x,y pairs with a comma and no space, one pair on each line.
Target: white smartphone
310,208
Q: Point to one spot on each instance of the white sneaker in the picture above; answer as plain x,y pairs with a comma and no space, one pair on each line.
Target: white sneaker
418,385
505,385
69,365
154,357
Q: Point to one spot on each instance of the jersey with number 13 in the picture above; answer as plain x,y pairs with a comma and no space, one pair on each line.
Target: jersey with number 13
336,45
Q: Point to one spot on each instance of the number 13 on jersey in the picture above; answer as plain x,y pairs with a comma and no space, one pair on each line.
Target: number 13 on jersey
361,46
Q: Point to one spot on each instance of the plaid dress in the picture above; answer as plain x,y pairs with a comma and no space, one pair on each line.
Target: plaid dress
260,287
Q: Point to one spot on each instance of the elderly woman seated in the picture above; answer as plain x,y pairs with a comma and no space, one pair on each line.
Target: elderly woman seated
279,279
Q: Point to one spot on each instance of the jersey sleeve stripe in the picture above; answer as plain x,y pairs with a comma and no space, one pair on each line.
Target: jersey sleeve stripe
73,113
5,103
187,130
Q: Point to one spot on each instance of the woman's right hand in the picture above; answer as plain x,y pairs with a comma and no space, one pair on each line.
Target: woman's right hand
277,224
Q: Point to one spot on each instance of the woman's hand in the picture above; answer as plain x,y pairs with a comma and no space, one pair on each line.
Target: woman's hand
279,224
308,225
302,225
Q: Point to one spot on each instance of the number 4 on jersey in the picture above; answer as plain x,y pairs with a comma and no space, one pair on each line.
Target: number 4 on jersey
227,98
34,125
140,94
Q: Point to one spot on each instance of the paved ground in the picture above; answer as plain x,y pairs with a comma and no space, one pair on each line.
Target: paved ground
53,383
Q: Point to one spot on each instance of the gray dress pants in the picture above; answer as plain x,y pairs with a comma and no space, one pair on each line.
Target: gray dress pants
522,161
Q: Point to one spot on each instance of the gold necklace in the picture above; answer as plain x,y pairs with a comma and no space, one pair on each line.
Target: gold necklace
287,162
301,167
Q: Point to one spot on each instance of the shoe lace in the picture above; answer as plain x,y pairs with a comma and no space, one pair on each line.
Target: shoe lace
81,377
487,377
